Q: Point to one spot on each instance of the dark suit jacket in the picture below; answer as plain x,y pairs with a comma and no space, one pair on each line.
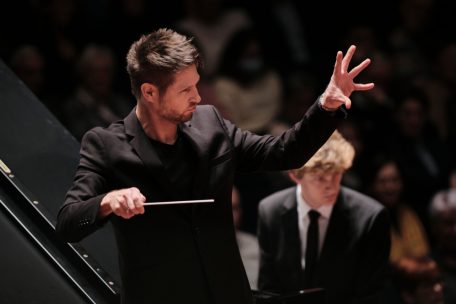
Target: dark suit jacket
168,255
353,262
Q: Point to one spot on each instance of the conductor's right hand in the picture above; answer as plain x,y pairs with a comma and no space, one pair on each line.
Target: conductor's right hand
125,203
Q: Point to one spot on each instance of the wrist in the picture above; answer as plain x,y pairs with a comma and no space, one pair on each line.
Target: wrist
322,105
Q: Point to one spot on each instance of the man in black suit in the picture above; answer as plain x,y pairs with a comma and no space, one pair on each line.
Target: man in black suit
344,249
169,149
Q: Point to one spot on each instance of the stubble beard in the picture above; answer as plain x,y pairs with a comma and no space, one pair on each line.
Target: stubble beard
170,114
176,118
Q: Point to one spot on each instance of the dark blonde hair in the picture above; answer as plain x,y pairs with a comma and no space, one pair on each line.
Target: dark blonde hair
335,155
156,57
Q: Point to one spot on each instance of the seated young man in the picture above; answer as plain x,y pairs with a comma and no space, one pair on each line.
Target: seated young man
320,234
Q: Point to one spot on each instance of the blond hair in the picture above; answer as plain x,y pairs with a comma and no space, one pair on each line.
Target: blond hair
335,155
156,57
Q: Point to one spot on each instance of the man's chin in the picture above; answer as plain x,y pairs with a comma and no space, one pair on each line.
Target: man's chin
182,118
187,117
330,200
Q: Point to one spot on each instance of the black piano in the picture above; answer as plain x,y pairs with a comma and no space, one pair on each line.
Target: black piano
38,157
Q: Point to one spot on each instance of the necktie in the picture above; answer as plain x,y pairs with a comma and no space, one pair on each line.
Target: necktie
311,249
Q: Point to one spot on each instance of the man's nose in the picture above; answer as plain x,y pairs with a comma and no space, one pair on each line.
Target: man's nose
331,181
197,97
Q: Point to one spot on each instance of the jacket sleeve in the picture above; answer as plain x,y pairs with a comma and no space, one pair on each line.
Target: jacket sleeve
373,268
77,218
289,150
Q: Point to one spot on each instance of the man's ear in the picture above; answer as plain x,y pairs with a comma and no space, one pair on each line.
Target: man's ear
293,177
149,92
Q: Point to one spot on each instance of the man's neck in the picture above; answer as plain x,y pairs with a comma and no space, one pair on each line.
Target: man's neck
155,127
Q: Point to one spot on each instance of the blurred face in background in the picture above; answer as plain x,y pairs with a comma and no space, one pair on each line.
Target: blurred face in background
411,118
100,75
31,72
387,185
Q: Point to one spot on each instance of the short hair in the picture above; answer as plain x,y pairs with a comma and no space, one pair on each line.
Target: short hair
156,57
335,155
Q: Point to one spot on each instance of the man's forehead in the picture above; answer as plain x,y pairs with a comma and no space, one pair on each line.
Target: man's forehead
186,78
323,171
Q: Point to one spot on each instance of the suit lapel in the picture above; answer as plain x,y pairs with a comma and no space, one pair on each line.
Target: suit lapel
292,243
201,146
336,238
143,147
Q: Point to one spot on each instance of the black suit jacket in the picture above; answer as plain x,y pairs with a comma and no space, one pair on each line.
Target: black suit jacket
168,255
353,262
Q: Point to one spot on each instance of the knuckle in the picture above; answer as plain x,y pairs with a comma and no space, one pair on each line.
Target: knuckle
134,190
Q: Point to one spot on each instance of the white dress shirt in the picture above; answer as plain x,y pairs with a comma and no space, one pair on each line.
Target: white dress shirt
304,221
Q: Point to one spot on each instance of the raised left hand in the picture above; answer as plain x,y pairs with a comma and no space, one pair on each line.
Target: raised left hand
341,84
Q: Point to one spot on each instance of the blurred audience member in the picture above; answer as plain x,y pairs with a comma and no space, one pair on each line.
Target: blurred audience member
62,34
372,111
419,282
29,65
416,28
440,87
443,224
95,103
421,155
248,243
447,91
251,94
300,92
408,237
247,87
282,23
416,278
378,100
212,25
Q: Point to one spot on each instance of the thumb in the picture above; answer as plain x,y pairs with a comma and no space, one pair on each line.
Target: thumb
347,102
